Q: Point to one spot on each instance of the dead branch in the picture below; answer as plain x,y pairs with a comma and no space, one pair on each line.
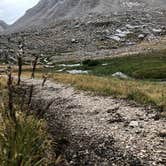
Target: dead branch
10,94
34,67
30,94
45,77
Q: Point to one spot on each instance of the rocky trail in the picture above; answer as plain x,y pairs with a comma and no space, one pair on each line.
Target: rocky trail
98,130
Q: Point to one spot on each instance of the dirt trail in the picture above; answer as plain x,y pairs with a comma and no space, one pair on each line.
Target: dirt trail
101,131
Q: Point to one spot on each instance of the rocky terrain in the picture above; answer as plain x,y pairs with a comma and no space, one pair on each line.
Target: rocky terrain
48,11
87,27
91,130
100,131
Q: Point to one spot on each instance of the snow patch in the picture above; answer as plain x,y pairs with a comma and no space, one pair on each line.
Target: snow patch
71,65
114,37
77,72
104,64
156,30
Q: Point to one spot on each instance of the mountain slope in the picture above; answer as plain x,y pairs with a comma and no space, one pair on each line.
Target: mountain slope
90,27
3,26
47,11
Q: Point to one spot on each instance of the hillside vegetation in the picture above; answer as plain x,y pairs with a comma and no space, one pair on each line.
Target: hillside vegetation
142,66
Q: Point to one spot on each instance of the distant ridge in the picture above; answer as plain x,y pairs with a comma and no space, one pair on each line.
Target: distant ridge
3,26
48,11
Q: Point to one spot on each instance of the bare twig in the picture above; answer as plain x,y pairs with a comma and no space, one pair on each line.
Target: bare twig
19,58
30,94
10,94
45,77
19,69
23,101
34,67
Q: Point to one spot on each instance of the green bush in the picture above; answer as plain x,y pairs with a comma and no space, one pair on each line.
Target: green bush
90,63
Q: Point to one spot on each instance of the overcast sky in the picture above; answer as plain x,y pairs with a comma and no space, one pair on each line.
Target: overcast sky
11,10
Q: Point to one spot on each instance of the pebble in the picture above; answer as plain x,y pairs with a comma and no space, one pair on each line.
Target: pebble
134,124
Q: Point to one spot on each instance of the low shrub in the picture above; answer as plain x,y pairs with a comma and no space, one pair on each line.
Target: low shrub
90,63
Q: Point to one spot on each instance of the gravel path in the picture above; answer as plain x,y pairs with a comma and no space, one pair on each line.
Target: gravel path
101,131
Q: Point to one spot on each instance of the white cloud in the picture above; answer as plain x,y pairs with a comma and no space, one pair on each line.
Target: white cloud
11,10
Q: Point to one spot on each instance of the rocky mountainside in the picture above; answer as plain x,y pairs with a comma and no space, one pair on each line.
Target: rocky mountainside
47,11
3,26
89,27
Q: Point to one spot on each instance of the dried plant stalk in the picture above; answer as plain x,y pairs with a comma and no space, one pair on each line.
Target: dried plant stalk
30,95
34,67
19,59
10,94
45,77
19,69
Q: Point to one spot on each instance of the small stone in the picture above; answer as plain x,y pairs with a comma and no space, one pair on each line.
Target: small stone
162,133
141,36
120,75
74,40
126,124
134,124
113,110
116,117
138,131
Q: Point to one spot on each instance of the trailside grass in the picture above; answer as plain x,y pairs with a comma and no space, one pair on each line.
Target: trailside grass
144,92
23,142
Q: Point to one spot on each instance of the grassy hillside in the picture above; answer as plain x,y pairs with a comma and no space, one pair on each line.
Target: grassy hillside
142,66
147,66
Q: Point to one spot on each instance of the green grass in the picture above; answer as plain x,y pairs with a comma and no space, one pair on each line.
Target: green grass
143,66
151,66
25,142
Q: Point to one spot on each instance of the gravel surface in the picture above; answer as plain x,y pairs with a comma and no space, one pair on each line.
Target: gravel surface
100,131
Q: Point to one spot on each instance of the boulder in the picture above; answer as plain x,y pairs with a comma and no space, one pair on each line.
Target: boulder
120,75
